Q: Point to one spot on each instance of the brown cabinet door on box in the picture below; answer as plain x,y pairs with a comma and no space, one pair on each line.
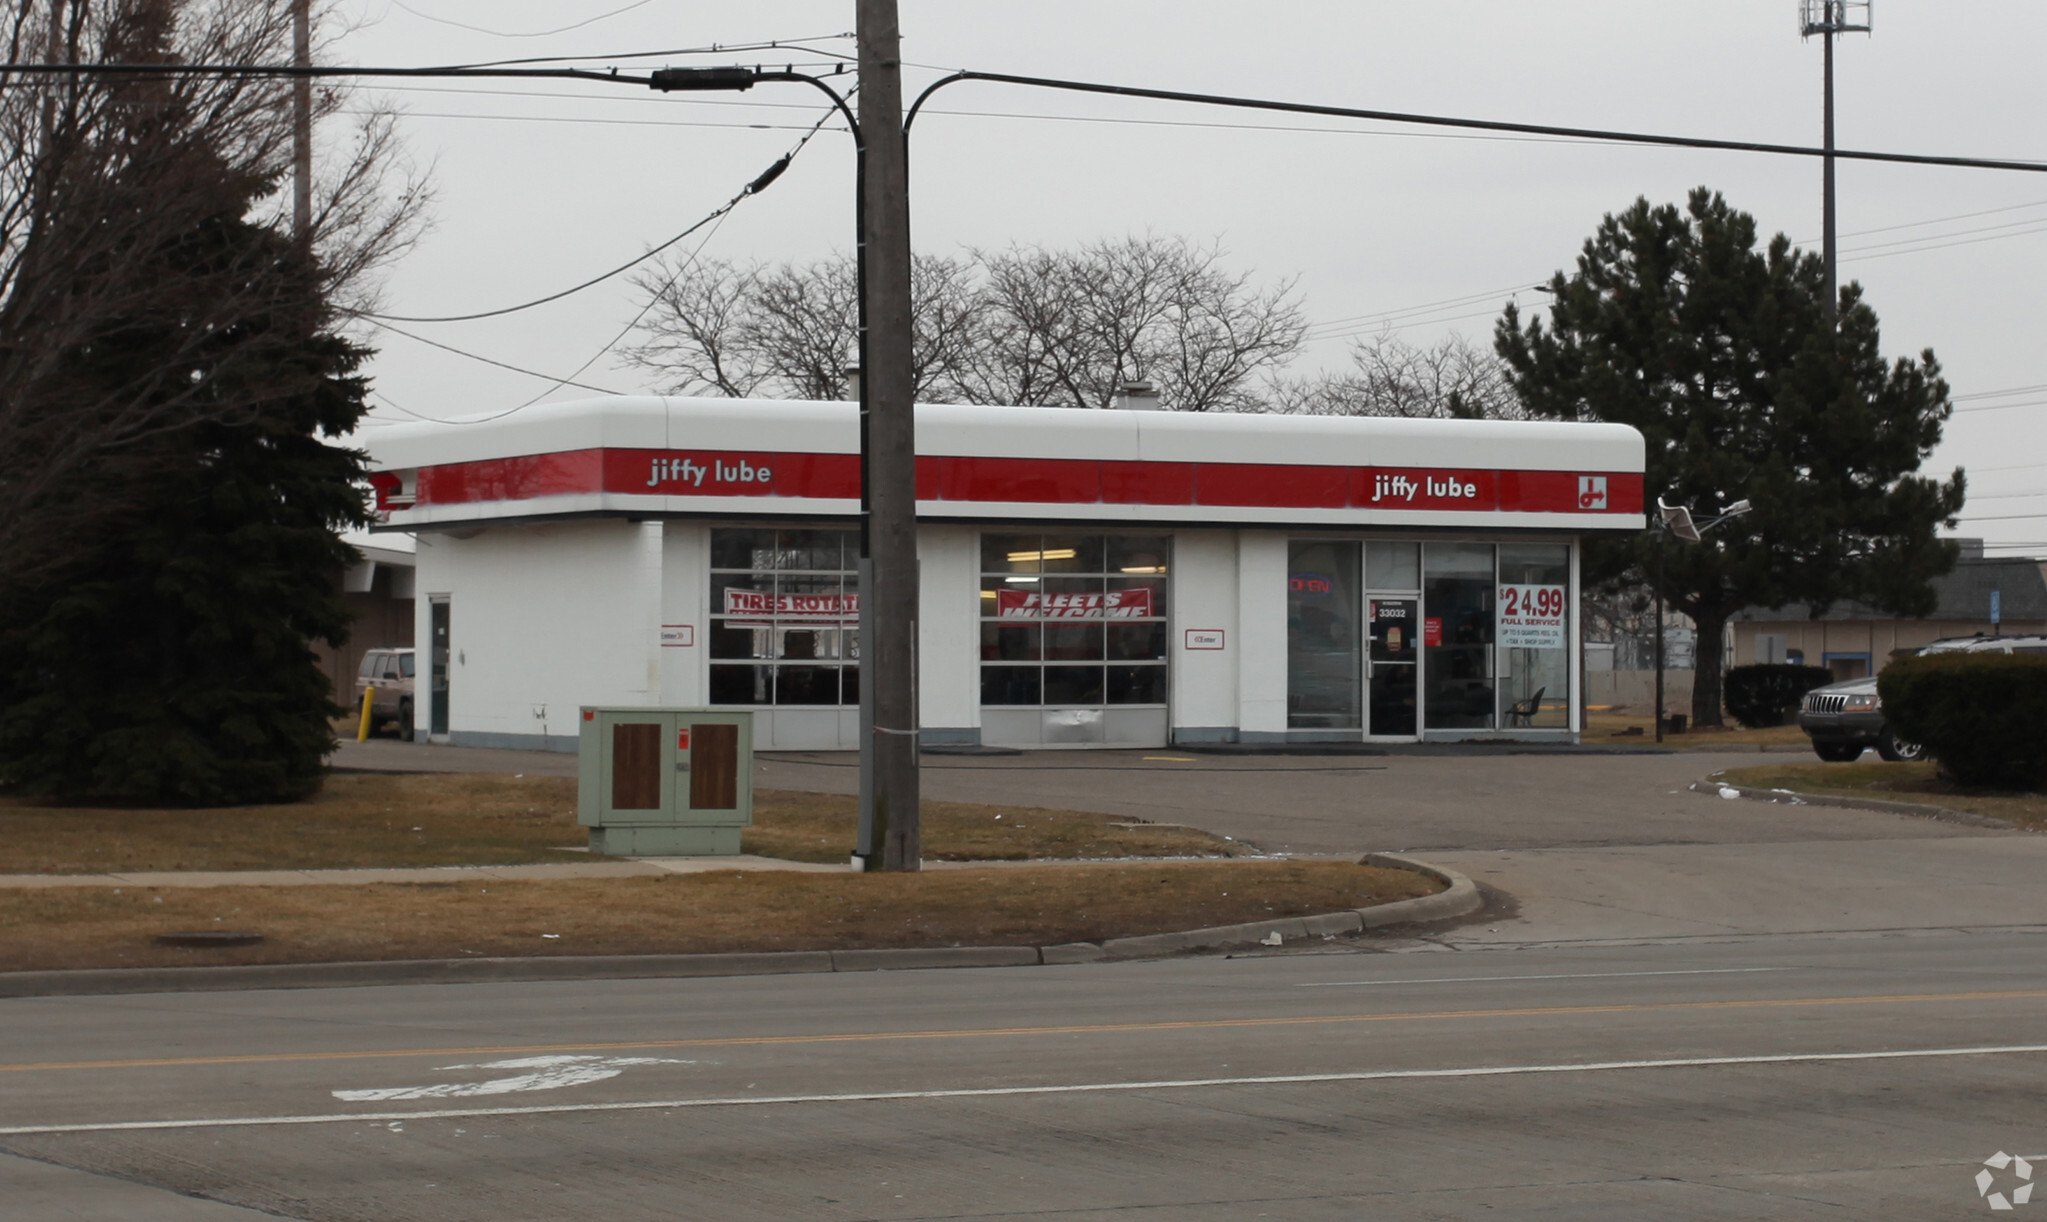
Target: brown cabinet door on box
713,767
636,765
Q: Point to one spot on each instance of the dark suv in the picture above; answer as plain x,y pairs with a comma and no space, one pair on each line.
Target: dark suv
1844,719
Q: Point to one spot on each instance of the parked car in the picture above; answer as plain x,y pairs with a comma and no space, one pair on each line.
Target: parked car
2034,644
1845,719
388,673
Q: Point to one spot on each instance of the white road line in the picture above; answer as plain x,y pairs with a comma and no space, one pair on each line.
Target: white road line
995,1092
1699,971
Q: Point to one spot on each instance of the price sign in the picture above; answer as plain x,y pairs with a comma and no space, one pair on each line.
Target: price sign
1532,617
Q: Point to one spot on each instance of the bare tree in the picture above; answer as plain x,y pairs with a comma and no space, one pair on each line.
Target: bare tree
100,175
1076,324
1026,326
791,329
1390,377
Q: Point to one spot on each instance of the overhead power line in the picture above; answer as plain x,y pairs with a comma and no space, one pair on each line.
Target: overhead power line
477,29
758,185
1089,87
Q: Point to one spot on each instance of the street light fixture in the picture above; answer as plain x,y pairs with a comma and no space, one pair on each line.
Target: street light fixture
1677,520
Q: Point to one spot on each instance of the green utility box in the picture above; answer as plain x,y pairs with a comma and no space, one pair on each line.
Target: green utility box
665,782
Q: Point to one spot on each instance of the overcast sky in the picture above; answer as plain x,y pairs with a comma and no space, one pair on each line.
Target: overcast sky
540,185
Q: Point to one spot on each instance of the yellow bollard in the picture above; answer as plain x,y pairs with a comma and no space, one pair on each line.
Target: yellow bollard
362,733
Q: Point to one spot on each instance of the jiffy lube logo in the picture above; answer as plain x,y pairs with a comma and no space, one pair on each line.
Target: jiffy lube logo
717,471
2005,1180
1406,488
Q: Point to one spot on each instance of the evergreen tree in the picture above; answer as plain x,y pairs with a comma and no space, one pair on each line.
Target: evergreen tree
1677,325
168,659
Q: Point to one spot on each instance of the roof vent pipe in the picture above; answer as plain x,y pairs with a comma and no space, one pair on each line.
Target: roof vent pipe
852,381
1135,395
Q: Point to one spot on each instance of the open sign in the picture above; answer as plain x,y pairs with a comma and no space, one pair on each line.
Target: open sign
1309,585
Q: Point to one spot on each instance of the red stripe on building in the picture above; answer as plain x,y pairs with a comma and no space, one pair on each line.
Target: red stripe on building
971,480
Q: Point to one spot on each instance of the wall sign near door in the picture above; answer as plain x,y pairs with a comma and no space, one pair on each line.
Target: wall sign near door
1432,631
1204,638
678,636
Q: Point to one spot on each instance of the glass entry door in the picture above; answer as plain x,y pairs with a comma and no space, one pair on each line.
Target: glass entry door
1390,667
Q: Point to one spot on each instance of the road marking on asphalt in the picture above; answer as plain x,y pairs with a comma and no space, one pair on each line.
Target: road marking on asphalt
1697,971
996,1092
1191,1024
543,1073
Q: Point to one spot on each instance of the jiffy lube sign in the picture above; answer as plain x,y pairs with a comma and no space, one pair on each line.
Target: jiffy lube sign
1532,617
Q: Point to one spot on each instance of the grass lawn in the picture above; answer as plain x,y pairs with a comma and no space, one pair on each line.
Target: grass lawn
1640,730
75,927
1895,783
487,819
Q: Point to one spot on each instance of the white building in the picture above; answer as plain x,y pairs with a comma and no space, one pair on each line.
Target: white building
1123,578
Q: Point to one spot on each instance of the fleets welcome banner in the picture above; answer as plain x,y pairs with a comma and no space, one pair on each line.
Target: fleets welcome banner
1115,604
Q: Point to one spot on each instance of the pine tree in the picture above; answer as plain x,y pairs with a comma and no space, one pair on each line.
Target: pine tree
1718,352
168,660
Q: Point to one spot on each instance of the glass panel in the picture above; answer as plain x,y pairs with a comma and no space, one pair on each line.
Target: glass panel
742,549
758,583
1393,566
1010,685
1535,628
1073,685
849,684
1073,553
1157,586
728,641
1009,553
1457,635
369,666
1324,670
1138,554
1009,643
741,684
1137,685
1070,585
1137,642
806,685
816,550
1068,642
405,665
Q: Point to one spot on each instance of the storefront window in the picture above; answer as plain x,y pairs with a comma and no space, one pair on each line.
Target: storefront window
1324,669
1071,619
1457,636
785,608
1534,635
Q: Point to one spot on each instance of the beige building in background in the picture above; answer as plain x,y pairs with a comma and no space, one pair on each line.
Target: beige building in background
1854,640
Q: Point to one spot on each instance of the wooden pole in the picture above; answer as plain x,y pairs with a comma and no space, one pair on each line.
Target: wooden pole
888,653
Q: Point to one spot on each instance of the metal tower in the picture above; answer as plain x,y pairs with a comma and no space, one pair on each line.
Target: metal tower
1828,18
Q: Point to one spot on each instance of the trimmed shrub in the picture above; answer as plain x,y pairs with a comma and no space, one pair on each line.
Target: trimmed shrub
1982,715
1764,694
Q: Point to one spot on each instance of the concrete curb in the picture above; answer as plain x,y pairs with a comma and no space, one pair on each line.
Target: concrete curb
1795,798
1460,898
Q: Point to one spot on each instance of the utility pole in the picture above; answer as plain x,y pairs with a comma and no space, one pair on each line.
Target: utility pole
1828,18
302,123
892,828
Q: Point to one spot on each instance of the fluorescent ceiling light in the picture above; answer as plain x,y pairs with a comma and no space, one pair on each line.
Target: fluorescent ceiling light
1057,553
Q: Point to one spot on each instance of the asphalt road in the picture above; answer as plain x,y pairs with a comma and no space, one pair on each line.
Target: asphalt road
1764,1078
1676,1006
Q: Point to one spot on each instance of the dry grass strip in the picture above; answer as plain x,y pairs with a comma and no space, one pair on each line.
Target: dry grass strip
679,914
487,819
1918,782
